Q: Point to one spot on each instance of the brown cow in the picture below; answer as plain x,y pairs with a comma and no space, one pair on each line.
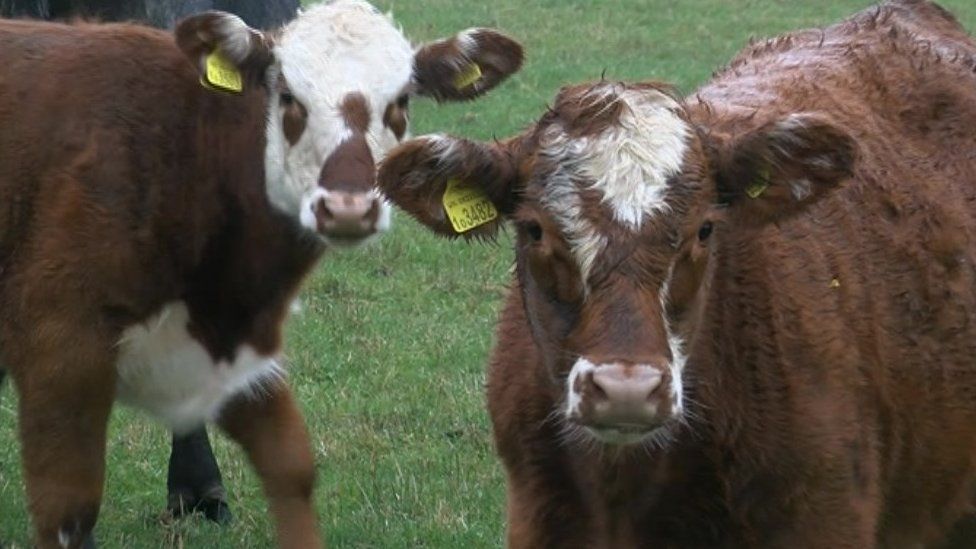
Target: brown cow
154,229
743,319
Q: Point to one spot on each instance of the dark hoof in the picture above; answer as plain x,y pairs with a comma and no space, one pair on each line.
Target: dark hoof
213,505
89,542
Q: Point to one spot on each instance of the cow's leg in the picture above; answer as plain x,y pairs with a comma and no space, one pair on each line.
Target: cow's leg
194,482
268,425
66,394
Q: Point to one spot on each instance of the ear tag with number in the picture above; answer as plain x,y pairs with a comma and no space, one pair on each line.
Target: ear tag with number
758,185
222,74
467,77
467,206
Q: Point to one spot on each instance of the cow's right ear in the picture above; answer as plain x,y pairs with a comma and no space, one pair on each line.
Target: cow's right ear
229,55
454,186
466,65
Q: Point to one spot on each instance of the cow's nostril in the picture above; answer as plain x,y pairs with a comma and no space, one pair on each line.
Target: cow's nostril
597,391
323,212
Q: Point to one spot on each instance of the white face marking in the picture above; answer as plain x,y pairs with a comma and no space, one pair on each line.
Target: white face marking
678,356
165,371
581,368
563,202
331,50
629,164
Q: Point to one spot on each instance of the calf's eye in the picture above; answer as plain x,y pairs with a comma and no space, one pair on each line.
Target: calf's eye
534,230
287,99
705,231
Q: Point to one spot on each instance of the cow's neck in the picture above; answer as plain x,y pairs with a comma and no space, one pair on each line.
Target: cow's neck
254,257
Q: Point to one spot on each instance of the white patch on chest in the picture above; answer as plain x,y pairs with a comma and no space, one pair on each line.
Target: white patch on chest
163,370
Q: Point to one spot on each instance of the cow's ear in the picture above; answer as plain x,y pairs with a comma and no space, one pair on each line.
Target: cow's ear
780,168
229,55
454,186
466,65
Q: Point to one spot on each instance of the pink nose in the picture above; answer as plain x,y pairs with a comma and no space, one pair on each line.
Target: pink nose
624,395
348,217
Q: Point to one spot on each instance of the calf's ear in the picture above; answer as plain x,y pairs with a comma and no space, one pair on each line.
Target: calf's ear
229,55
466,65
456,187
780,168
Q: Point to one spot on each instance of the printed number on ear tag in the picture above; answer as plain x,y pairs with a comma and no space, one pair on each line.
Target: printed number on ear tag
467,77
467,206
222,74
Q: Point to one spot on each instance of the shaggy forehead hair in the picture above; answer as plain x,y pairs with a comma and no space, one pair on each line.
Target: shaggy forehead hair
352,45
624,143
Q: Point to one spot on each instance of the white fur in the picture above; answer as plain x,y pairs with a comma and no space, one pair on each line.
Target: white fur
677,368
467,43
563,201
234,37
677,347
630,163
581,368
165,371
801,188
331,50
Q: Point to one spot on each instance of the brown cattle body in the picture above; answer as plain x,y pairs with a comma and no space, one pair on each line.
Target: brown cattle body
154,232
745,319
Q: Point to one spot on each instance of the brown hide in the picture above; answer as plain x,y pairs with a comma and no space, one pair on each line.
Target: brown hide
126,185
830,376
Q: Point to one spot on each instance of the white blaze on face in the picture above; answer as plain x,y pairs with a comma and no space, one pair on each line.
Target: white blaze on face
628,164
331,50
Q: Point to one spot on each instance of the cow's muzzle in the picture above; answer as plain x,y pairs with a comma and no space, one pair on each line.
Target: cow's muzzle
619,402
346,218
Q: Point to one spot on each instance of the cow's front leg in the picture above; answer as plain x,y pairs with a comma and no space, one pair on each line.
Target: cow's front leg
66,394
268,425
194,483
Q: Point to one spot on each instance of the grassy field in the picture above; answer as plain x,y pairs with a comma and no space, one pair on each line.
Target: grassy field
387,357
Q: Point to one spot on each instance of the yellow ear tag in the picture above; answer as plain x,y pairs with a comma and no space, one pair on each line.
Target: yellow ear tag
834,283
467,206
467,77
758,185
222,74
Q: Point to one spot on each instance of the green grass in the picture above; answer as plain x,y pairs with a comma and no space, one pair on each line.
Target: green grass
387,358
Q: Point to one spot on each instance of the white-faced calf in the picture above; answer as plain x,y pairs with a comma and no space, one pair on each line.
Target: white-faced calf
161,201
742,319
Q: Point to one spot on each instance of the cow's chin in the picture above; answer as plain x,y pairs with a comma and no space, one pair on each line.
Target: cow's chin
348,242
625,436
619,436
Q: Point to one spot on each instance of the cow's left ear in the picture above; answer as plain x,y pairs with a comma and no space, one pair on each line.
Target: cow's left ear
466,65
228,54
778,169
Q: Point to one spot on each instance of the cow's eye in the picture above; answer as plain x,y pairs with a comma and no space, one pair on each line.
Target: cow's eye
705,231
287,99
534,230
403,101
